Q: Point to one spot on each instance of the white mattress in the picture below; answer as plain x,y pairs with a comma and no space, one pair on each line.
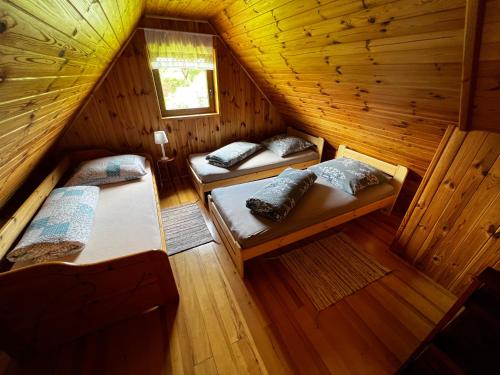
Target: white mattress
260,161
126,222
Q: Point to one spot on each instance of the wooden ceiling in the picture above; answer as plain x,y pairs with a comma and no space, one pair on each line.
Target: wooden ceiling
51,55
382,76
192,9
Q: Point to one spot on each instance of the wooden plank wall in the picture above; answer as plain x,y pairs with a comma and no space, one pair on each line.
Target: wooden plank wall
124,112
452,228
192,9
382,76
452,233
51,55
487,78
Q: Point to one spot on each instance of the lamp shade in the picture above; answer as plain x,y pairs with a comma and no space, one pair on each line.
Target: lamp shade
160,138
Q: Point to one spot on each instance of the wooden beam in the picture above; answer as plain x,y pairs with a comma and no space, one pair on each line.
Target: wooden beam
474,17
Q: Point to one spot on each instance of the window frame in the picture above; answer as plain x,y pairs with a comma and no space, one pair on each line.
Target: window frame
211,85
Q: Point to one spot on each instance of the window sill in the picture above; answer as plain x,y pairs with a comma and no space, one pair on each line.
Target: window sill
180,117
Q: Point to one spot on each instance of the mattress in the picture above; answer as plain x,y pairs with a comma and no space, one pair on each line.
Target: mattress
321,202
125,223
261,161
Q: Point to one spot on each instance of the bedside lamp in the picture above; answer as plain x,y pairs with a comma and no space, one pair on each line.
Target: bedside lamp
161,139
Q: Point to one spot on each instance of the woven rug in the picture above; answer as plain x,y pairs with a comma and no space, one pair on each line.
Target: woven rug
331,269
184,228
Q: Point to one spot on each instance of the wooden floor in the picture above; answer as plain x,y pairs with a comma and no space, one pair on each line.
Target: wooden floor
266,324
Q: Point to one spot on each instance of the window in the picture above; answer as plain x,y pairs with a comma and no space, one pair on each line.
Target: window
183,71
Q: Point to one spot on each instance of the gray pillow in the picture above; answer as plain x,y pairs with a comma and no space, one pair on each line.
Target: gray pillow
276,199
349,175
284,144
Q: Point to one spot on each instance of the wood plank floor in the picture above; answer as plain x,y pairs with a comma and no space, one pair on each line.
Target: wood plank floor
265,324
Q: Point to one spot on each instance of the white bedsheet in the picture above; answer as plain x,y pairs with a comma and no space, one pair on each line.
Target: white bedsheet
126,222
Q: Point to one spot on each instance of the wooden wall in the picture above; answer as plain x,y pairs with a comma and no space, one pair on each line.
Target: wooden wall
382,76
486,95
124,112
452,232
51,55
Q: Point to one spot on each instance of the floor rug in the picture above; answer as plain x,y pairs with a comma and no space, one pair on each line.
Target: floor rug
184,228
331,269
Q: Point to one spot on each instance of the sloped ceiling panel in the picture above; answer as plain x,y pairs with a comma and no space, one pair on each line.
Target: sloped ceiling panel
192,9
51,55
381,76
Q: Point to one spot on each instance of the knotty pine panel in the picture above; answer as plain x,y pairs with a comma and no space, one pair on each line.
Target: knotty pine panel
485,112
193,9
382,76
452,232
124,112
51,55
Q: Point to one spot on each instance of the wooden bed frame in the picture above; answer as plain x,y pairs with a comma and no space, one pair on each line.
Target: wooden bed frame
204,187
52,302
240,255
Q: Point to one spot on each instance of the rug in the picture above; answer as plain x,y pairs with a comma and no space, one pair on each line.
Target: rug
331,269
184,228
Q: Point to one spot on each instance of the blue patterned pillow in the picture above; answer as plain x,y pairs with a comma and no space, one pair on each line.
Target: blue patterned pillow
284,144
61,227
349,175
109,170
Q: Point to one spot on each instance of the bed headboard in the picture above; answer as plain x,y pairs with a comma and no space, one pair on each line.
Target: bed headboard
317,141
398,172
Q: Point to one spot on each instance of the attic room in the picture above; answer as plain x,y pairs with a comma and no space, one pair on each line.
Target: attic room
249,186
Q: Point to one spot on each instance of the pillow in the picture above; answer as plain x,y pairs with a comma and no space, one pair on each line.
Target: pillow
232,154
276,199
349,175
284,144
61,227
108,170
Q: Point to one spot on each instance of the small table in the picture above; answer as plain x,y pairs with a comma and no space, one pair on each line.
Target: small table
163,172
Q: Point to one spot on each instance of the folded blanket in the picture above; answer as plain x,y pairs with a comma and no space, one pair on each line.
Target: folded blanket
276,199
232,153
61,227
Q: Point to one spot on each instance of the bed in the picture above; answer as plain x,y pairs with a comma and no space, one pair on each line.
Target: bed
123,270
263,164
322,207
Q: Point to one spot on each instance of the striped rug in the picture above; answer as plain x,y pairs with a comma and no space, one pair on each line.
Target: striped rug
184,228
331,269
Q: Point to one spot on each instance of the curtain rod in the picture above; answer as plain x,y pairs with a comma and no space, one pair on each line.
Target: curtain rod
176,31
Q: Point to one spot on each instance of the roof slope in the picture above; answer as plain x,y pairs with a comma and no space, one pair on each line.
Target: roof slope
382,76
51,55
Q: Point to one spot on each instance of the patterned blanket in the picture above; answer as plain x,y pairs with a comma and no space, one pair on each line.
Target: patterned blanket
277,198
61,227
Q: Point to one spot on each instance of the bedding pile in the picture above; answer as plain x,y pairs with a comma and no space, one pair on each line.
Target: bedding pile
62,226
276,199
232,153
